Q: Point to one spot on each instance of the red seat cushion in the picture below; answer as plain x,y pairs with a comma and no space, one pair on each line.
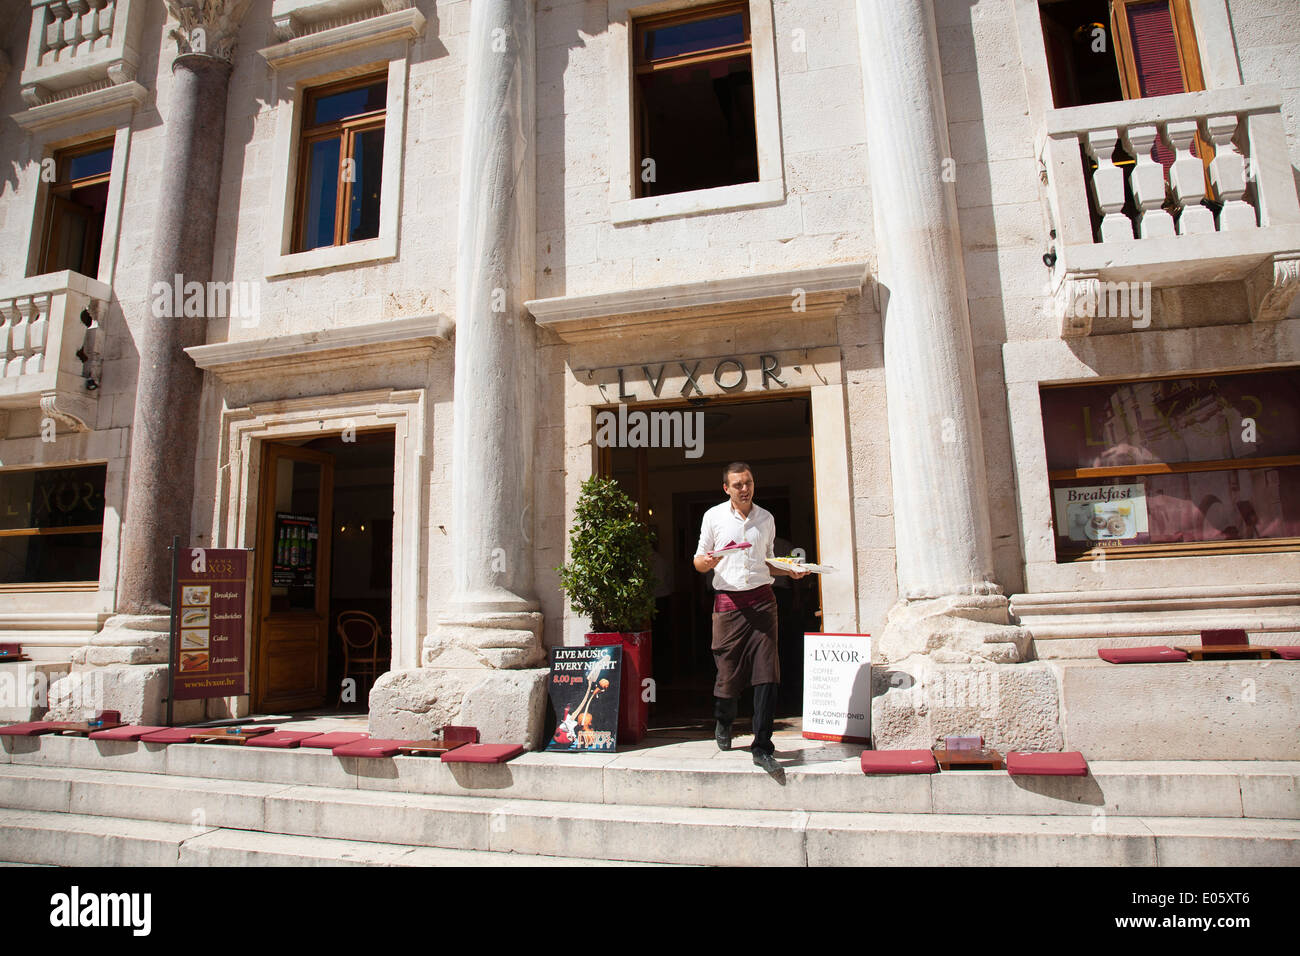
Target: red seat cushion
1289,653
370,747
1230,635
334,739
170,735
483,753
128,732
1068,764
899,761
31,728
282,738
1157,654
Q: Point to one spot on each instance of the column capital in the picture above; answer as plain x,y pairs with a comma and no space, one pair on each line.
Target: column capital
207,26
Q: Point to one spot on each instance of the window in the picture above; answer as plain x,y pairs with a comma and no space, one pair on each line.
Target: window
1175,466
74,223
51,524
694,100
341,158
1099,51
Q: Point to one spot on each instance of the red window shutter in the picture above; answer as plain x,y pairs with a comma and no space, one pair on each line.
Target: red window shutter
1155,48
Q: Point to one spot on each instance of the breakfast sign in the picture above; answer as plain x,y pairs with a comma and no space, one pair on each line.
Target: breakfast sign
209,623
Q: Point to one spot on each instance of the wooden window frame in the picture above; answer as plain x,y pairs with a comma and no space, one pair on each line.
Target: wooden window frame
1182,548
63,188
1189,59
642,66
346,131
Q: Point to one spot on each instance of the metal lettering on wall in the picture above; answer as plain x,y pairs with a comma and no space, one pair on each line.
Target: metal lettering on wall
699,378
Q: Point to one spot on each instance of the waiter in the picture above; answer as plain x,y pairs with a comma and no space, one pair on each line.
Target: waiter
744,610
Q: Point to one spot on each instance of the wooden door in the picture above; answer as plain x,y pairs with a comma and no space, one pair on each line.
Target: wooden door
292,579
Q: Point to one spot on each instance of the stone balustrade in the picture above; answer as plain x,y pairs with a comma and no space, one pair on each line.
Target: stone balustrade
42,329
1131,199
77,45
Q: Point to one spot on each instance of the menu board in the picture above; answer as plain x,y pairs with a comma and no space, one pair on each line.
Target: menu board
294,560
584,688
210,634
837,687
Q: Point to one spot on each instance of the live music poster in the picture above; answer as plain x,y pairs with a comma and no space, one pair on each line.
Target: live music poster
584,691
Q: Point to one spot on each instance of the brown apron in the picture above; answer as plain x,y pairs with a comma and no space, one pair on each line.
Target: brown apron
744,642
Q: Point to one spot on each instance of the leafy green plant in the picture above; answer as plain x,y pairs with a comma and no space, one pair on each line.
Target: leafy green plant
609,577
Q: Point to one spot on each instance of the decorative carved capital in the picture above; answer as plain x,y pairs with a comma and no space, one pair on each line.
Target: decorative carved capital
50,409
121,72
1274,287
1076,303
34,94
207,26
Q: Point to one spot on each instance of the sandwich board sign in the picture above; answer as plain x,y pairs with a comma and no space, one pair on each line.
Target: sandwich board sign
837,687
210,626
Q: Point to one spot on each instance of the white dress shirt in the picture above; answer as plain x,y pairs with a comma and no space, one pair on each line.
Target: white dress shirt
739,570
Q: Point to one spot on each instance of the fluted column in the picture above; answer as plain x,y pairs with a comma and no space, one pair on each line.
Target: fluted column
491,619
941,520
160,484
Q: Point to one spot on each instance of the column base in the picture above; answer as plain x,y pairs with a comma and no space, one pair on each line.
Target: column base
137,691
495,640
128,639
914,705
507,706
25,689
954,629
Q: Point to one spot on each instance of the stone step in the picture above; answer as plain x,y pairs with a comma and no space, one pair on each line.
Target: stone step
45,838
159,813
705,778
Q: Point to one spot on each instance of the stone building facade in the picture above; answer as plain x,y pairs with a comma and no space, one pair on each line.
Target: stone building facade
939,285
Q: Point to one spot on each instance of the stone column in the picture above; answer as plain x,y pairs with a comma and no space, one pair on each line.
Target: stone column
160,481
949,606
477,661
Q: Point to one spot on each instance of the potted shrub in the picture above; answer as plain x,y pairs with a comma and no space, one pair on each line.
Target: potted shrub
609,579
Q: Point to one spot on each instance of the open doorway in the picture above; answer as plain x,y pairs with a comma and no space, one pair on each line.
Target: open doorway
673,492
323,586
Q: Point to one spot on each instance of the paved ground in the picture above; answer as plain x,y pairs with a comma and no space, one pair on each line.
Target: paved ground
670,743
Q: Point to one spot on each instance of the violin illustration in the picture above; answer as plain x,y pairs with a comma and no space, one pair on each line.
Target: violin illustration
575,727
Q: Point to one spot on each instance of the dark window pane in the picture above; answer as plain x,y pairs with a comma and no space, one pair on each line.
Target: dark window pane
52,498
50,557
49,499
699,127
363,216
90,164
1172,420
694,36
337,106
322,194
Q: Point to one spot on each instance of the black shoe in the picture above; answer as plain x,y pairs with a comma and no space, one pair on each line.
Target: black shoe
722,734
768,762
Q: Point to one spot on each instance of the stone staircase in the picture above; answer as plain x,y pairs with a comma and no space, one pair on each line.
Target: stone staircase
72,801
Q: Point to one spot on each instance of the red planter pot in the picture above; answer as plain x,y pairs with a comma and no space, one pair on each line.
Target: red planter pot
633,709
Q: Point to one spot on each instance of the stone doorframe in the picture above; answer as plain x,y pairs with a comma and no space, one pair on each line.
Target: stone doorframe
243,430
817,373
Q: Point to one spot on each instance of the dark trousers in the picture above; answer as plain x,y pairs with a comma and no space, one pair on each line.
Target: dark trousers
724,711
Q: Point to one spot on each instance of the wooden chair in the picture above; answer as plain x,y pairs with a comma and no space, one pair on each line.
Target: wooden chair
359,633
